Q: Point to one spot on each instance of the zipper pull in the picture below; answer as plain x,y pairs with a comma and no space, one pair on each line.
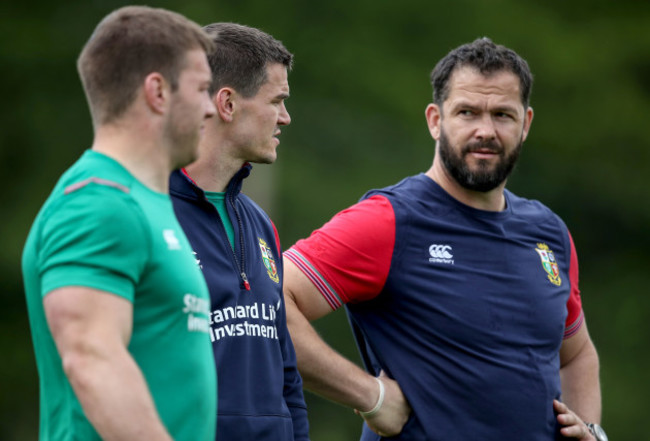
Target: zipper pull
245,279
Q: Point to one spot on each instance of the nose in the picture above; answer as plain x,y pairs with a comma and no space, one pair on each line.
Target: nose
486,129
284,119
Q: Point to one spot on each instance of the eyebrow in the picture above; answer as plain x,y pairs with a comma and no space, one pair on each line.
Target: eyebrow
505,109
500,108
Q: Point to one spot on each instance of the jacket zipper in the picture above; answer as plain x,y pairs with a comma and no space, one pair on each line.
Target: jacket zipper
240,264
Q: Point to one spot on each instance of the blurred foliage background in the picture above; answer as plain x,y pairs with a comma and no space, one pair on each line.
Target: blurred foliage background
358,93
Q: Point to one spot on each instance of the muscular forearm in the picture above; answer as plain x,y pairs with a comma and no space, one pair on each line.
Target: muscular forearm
114,396
329,374
332,376
326,372
581,385
579,368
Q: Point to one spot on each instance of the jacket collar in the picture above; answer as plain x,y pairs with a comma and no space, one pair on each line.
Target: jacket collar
181,184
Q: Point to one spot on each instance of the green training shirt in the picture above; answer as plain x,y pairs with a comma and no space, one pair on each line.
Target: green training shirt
101,228
218,199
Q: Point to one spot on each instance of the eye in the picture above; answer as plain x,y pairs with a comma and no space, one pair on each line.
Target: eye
504,115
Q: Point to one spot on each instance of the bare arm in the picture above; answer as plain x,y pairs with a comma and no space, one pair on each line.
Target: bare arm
328,373
579,373
92,329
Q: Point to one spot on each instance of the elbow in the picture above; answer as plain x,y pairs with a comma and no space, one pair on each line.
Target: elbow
79,365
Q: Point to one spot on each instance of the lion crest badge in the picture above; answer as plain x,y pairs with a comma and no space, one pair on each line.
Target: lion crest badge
269,262
549,263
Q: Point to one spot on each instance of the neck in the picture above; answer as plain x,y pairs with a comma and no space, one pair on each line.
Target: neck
493,200
215,167
146,158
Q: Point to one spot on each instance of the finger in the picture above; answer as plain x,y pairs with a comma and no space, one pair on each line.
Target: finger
568,418
560,407
575,431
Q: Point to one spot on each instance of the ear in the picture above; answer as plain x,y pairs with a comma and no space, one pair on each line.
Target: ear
434,117
156,92
528,119
224,102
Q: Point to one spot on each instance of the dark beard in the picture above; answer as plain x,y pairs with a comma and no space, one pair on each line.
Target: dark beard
484,179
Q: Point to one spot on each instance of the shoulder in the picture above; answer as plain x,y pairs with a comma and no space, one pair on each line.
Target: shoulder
262,223
534,217
252,206
531,210
363,227
374,210
415,196
97,197
94,207
259,221
408,187
348,258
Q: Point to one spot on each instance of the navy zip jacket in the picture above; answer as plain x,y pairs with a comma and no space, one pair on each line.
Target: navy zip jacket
259,388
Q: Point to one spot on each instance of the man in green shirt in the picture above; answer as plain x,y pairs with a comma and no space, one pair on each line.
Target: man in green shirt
118,308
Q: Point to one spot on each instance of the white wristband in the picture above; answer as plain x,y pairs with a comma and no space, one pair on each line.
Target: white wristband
380,401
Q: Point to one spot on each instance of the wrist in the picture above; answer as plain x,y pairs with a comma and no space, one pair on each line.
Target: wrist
380,400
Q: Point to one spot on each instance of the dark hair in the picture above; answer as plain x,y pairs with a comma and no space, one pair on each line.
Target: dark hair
488,58
126,46
241,55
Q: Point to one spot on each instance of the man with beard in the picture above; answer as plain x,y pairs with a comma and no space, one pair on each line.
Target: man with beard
462,296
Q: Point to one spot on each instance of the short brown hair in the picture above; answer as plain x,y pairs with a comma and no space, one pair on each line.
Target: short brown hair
241,55
129,44
486,57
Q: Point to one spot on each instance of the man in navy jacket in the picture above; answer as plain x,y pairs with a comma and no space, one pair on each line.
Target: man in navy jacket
236,244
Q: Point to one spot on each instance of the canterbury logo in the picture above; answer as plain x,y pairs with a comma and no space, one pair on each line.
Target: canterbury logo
440,251
441,254
172,241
